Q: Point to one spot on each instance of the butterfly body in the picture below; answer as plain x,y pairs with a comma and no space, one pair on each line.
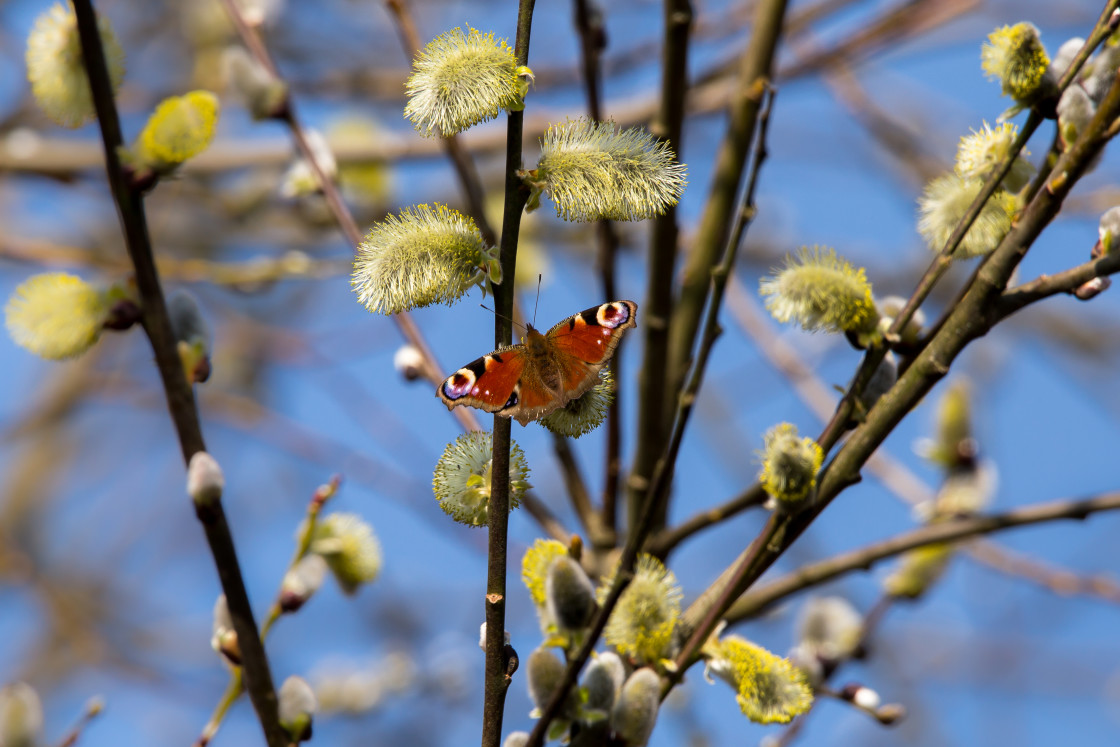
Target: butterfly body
546,371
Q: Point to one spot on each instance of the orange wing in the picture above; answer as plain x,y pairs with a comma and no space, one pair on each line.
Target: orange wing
583,343
490,383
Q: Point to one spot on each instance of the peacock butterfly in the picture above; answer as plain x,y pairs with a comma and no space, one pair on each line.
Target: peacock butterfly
544,372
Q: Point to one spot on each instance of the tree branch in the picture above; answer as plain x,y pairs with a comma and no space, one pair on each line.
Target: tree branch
180,397
758,600
499,656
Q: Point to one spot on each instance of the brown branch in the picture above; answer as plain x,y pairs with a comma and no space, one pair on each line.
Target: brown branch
500,658
1068,281
664,542
592,38
715,225
578,494
180,397
757,600
655,395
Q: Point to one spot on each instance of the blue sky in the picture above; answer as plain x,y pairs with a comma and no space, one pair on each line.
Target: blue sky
984,658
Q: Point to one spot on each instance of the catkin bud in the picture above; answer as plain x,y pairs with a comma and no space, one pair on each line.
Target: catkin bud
21,716
789,465
460,79
205,481
584,413
56,69
545,672
296,708
945,202
180,128
1015,56
592,170
462,478
569,594
822,292
193,338
409,362
643,623
427,254
57,316
603,681
635,713
264,95
224,638
302,581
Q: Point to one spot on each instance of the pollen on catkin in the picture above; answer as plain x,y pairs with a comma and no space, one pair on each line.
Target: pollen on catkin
1015,56
643,623
426,255
635,712
593,170
821,291
980,153
56,315
789,464
585,413
296,708
180,128
460,79
350,548
535,564
21,716
56,70
918,570
944,203
770,689
301,179
463,475
829,627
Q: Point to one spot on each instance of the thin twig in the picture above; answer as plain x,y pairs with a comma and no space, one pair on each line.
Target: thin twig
577,488
1068,281
180,397
655,393
303,545
719,212
757,600
592,39
665,541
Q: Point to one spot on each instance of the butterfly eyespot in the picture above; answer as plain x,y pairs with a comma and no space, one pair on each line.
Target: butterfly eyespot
458,384
612,315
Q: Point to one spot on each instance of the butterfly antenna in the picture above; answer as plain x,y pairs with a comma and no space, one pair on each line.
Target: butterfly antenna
536,302
503,316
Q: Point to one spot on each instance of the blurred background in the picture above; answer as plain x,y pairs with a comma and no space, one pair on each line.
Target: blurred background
106,584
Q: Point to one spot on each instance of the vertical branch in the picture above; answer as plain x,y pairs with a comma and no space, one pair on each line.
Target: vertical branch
715,224
653,396
498,674
180,397
593,39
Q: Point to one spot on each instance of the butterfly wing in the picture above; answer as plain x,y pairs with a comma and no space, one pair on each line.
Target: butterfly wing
491,383
583,343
